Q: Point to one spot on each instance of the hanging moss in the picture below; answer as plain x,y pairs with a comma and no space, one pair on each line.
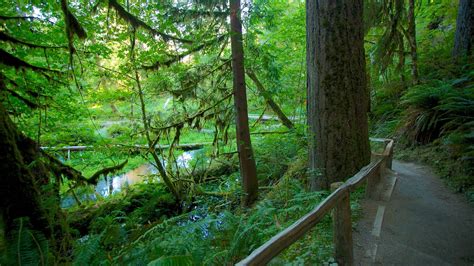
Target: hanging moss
72,27
10,60
178,57
137,23
13,40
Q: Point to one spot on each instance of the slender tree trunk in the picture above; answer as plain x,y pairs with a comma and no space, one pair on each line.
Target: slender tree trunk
311,75
338,98
268,98
412,41
401,60
248,169
464,36
146,125
151,145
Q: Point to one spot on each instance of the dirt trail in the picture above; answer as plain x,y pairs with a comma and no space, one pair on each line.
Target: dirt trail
424,223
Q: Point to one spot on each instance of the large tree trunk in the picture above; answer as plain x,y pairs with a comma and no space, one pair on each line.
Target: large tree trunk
268,98
248,169
29,187
464,29
412,41
25,180
338,98
19,189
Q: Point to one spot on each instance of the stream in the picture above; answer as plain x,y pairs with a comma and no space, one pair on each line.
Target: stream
112,185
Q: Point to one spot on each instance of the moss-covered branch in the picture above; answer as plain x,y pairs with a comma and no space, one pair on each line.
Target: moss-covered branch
17,17
60,168
105,171
72,26
178,57
138,23
8,38
191,118
25,100
10,60
181,14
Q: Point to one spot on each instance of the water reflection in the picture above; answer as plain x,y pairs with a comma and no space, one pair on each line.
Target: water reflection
111,185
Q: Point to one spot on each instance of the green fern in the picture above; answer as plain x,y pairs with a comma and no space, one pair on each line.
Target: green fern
437,109
86,249
26,246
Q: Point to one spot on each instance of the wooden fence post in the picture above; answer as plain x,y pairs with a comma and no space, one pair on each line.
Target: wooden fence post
372,182
342,224
388,154
389,159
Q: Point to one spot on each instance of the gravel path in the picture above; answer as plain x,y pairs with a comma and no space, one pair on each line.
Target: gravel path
424,223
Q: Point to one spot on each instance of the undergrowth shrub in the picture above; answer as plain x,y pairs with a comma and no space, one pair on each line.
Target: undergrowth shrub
437,109
438,128
274,153
385,109
214,230
212,236
25,246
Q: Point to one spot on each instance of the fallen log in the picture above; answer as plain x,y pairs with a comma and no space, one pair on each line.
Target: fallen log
185,147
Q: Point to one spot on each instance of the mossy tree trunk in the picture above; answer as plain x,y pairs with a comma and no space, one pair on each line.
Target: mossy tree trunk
412,41
338,98
27,179
23,175
464,36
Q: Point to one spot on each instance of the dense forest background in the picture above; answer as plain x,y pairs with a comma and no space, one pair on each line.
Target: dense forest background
120,143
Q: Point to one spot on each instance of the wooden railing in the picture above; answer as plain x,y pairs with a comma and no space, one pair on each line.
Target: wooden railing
337,200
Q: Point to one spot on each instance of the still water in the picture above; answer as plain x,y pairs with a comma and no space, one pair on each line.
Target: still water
114,184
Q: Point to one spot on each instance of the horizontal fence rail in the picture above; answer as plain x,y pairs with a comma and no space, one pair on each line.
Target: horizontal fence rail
337,200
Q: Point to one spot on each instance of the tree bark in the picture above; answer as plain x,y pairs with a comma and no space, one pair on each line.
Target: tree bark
401,60
338,97
464,36
268,98
412,41
29,188
248,169
19,189
23,185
